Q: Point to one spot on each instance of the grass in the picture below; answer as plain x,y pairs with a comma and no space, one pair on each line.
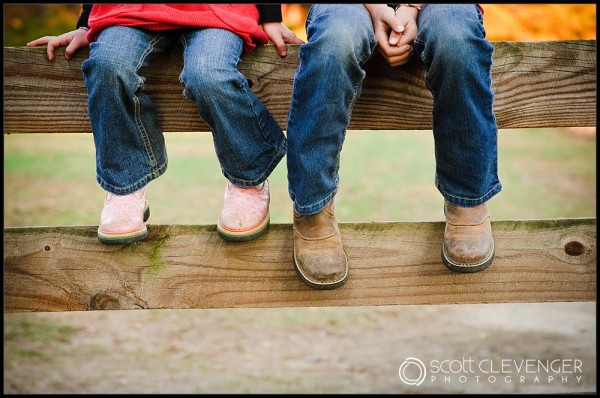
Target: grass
49,179
387,175
34,337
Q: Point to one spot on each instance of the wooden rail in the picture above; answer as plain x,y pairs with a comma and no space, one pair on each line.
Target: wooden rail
537,84
60,268
67,269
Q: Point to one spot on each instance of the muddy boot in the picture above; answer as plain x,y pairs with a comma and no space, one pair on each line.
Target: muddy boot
468,243
319,256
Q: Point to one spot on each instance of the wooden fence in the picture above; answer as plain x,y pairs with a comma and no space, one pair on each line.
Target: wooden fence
65,268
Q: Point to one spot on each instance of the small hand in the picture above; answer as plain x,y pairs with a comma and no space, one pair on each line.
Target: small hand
395,32
280,35
72,41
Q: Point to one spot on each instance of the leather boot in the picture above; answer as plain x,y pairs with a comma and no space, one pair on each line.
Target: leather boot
319,257
468,243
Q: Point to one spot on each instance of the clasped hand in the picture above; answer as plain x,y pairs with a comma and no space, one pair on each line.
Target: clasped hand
395,31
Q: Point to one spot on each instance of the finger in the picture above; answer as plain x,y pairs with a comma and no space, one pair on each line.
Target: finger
396,34
393,51
50,51
296,40
70,50
404,58
291,38
40,41
406,39
280,46
382,37
399,60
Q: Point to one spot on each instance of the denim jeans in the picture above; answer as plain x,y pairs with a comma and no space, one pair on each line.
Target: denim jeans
458,61
457,58
130,146
326,85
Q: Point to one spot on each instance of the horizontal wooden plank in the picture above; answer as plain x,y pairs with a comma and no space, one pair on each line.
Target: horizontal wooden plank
537,84
189,266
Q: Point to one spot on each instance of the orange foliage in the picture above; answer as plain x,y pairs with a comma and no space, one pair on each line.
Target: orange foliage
294,17
505,22
531,22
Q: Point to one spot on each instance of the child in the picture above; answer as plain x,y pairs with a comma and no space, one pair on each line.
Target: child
130,147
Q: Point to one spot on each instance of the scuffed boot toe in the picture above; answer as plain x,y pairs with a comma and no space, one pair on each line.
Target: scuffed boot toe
319,257
468,243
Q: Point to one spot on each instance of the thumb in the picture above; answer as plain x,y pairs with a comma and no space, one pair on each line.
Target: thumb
280,46
396,31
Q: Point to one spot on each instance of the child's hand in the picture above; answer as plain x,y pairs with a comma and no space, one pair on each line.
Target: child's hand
280,35
395,31
73,41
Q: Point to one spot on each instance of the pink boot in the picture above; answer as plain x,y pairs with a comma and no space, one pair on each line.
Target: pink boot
245,213
123,218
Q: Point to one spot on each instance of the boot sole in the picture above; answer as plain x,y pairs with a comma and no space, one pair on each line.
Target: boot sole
321,286
466,268
243,236
124,238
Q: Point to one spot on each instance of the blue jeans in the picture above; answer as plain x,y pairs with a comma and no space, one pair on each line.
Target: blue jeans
326,85
458,62
130,146
457,58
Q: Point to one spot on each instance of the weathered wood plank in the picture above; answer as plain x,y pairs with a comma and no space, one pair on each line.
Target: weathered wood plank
537,84
67,269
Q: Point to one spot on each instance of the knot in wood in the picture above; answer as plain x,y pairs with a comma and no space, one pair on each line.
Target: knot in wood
574,248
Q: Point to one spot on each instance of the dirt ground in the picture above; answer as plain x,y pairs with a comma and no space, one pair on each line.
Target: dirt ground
487,348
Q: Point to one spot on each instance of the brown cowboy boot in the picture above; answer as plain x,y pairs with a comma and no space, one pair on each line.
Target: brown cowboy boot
319,257
468,243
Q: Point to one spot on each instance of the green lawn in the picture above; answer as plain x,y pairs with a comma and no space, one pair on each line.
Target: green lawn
49,179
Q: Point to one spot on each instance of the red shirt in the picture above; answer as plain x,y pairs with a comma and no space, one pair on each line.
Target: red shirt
241,19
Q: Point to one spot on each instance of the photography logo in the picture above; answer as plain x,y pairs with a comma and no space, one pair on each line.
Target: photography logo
412,372
521,371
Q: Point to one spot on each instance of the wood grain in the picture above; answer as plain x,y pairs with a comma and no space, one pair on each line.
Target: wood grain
189,266
536,84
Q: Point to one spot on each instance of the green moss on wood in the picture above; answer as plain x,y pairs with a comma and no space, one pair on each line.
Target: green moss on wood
533,226
154,259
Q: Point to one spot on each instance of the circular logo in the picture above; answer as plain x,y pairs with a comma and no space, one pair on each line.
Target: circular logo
412,363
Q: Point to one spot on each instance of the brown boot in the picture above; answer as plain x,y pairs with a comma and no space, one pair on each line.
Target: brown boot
468,243
319,256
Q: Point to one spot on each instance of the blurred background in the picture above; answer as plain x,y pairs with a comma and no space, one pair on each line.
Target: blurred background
25,22
49,179
562,168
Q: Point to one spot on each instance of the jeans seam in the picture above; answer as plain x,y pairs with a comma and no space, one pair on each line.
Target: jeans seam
484,198
140,183
246,89
183,41
138,121
270,167
319,205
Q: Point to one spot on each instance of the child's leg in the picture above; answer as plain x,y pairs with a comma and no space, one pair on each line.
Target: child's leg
458,63
130,149
326,85
248,141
